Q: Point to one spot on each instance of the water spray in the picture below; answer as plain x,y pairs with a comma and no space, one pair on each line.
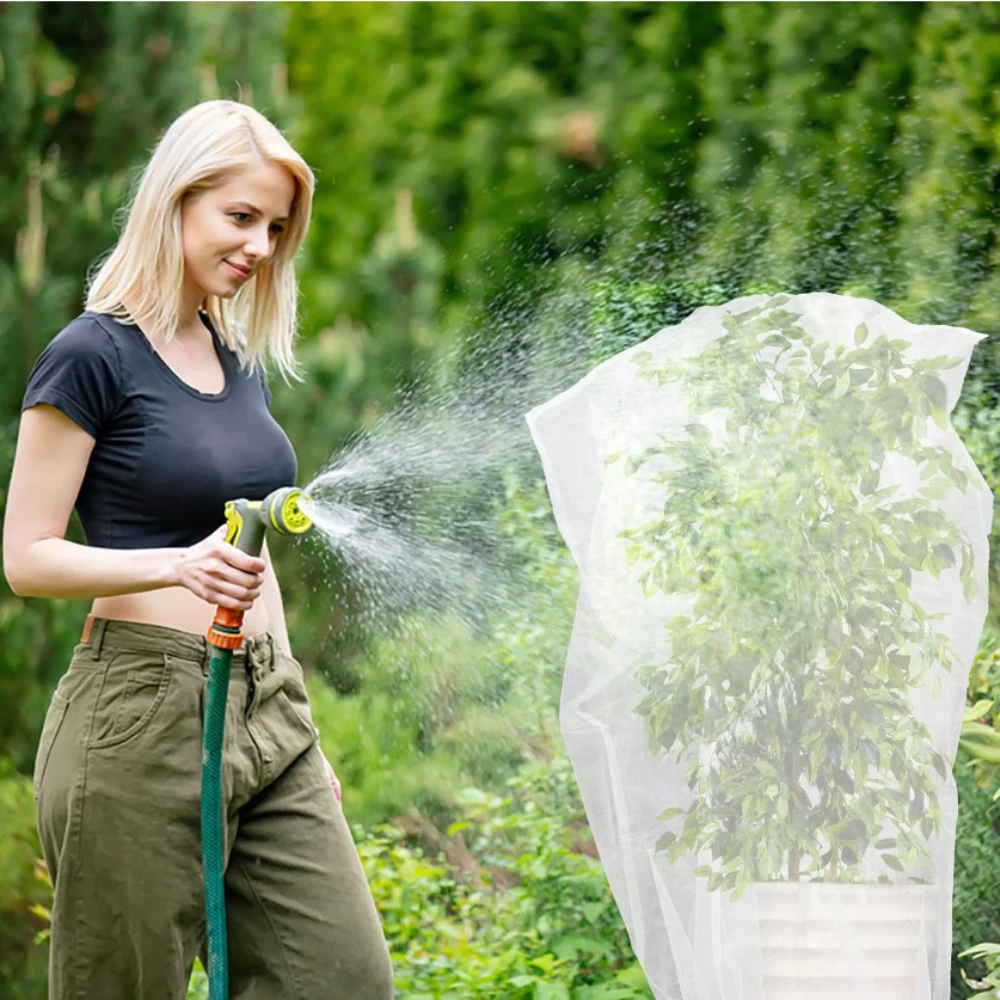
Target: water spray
247,522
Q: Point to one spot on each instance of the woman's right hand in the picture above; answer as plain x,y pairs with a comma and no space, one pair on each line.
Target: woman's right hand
220,573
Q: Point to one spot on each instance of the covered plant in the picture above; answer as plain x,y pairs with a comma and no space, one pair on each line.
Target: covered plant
782,551
791,674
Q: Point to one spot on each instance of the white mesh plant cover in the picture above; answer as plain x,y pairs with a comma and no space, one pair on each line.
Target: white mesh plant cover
782,547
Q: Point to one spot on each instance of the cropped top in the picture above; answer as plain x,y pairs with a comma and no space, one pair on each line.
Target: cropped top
167,457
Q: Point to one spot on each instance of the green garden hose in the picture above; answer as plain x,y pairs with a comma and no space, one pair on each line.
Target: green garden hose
212,847
246,521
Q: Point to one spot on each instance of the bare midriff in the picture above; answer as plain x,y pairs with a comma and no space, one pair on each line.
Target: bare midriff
174,607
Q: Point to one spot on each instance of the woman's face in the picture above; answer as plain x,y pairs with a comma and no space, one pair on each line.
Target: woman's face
230,230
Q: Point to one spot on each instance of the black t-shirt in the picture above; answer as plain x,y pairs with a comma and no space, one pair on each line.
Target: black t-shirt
167,457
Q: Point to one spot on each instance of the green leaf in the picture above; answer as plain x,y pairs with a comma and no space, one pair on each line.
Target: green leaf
869,482
983,742
893,862
547,989
843,779
980,951
936,489
977,711
568,947
860,335
670,813
885,492
666,841
855,830
937,393
546,963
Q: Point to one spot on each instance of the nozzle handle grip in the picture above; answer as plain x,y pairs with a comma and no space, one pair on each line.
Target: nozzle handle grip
245,526
245,531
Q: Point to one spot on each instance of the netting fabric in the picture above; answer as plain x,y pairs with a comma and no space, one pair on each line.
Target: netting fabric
782,547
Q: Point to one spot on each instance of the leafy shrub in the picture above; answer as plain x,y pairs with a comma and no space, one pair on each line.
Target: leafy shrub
976,914
23,891
975,906
531,918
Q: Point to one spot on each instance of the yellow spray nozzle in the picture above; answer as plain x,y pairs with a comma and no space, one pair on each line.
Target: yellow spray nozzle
247,520
283,513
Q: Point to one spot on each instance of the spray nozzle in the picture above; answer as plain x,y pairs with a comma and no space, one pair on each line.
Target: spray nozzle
247,520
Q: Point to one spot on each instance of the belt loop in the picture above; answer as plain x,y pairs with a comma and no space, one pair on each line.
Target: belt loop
98,628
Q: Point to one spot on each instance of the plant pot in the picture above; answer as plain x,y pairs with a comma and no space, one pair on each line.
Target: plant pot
833,941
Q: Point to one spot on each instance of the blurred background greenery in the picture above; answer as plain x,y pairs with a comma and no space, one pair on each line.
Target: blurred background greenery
473,160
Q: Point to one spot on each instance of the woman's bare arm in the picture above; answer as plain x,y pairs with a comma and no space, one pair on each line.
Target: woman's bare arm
38,561
270,594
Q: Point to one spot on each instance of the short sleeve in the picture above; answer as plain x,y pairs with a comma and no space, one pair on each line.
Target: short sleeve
79,373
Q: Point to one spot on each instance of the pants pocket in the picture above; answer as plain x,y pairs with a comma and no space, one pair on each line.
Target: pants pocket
135,686
50,730
293,693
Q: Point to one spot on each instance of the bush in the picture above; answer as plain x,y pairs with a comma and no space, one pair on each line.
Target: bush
529,916
975,907
24,891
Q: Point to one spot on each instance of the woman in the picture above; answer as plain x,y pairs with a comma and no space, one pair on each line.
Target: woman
147,412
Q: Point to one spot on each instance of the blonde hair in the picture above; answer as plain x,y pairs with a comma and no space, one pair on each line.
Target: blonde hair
199,151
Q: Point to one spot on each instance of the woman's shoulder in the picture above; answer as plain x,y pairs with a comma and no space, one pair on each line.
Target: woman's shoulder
80,372
86,340
90,333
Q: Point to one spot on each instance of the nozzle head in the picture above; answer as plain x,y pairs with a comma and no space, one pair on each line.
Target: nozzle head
282,512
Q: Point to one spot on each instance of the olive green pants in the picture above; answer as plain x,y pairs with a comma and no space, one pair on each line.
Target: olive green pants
117,784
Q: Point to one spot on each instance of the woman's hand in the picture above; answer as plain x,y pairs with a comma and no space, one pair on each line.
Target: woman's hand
220,573
334,783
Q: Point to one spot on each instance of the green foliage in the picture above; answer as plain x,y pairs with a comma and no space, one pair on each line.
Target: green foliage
850,148
531,919
975,909
23,893
625,314
443,704
976,917
813,147
198,986
845,718
977,421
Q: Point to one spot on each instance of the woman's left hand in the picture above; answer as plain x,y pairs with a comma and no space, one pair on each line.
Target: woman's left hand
334,783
